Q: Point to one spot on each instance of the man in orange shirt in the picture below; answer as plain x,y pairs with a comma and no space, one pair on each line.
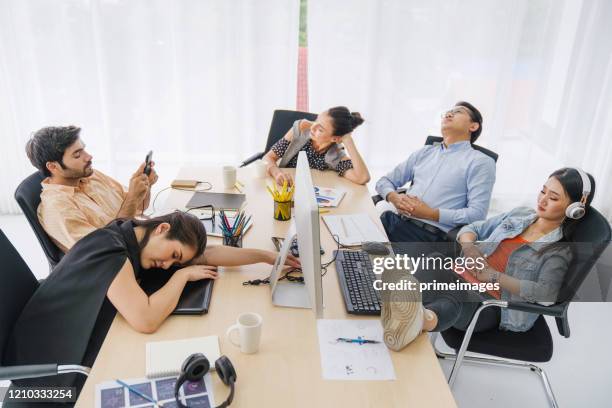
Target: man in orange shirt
75,198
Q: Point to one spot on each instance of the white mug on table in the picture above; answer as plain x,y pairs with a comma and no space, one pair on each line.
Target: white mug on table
229,176
249,332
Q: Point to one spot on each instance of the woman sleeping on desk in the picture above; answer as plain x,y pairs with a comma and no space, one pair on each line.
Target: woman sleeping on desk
67,318
324,142
526,251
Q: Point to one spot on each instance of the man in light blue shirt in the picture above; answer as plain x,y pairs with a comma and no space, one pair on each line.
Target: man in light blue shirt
451,183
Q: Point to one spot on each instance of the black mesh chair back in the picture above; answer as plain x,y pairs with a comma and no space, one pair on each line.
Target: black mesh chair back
18,286
438,139
282,120
28,198
589,240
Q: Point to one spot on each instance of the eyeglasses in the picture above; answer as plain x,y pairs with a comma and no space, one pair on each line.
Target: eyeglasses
456,110
206,213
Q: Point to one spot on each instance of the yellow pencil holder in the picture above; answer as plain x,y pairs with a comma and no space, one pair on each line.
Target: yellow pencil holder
282,210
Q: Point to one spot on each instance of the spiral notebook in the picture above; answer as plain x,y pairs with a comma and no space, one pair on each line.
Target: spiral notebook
164,358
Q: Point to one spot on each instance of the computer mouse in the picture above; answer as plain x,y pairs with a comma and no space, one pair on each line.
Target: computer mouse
375,248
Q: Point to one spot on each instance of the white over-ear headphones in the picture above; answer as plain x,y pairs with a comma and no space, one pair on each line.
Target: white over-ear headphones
576,209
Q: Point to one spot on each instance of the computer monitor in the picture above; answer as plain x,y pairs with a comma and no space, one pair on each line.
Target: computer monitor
306,215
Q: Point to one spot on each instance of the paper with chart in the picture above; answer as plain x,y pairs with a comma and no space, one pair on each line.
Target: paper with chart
353,361
111,394
328,197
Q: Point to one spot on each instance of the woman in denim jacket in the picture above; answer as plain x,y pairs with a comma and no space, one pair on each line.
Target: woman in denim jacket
526,251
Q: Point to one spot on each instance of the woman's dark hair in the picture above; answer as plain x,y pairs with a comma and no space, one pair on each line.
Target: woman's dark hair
476,116
49,144
344,120
572,184
185,228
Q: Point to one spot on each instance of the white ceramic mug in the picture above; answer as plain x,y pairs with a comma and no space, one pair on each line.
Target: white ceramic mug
261,169
229,176
249,332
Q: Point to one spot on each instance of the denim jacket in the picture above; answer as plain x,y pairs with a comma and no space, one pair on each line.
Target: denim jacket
540,271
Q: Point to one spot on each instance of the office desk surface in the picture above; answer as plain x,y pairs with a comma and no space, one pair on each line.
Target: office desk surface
286,372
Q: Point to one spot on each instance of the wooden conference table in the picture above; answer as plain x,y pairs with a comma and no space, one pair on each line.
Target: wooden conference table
286,372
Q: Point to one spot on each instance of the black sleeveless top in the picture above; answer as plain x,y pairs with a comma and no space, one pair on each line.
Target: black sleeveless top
67,318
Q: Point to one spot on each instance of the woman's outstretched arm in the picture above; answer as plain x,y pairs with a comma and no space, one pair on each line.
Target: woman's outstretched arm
222,255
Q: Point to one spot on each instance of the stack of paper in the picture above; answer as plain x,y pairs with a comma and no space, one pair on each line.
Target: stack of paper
354,229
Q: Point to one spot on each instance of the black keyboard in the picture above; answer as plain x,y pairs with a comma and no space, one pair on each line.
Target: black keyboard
356,277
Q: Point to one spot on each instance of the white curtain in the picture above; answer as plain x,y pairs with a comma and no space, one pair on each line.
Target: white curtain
539,71
194,80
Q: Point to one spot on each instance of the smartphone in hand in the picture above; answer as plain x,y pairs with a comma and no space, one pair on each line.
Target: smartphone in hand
147,168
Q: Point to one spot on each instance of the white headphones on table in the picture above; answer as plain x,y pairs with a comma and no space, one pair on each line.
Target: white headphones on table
576,209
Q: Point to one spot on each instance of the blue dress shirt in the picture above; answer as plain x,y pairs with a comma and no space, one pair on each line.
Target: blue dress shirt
457,180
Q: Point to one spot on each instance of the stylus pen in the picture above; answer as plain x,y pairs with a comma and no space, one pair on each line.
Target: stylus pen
140,394
359,340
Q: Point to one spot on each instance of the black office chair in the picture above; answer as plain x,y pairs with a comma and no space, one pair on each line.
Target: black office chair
535,345
282,120
27,195
18,286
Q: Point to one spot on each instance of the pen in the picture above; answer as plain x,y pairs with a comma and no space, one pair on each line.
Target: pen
140,394
358,340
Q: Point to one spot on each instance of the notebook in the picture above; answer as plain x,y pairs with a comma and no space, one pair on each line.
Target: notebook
164,358
354,229
220,201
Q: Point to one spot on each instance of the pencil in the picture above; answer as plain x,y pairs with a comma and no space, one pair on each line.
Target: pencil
140,394
284,191
237,222
237,188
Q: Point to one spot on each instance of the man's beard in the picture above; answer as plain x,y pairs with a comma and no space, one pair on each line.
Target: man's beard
77,174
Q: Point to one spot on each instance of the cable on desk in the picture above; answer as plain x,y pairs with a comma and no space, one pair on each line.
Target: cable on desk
195,190
287,275
325,265
299,279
